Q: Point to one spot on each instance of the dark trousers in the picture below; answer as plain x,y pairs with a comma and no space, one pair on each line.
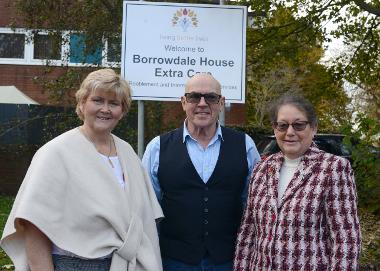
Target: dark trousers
67,263
205,265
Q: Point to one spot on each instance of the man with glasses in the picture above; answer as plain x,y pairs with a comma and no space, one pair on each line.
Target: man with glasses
200,173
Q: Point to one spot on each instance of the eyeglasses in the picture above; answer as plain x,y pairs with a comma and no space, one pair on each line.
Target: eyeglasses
297,126
195,97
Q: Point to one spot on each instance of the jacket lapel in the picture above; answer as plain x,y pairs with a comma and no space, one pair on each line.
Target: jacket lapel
273,177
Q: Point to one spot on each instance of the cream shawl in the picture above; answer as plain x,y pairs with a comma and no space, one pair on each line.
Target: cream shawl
72,195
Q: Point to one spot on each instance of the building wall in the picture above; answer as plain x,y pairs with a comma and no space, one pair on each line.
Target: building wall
25,78
236,115
8,14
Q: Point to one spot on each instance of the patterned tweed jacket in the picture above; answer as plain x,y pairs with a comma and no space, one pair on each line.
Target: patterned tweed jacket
315,225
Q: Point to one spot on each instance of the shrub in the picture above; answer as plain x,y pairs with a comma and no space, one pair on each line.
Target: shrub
365,160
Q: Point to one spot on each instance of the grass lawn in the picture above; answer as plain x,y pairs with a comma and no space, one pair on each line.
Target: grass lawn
370,256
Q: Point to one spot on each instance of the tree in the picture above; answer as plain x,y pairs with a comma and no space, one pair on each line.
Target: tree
283,54
356,23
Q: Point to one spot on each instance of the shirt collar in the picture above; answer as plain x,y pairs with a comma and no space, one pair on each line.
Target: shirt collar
217,135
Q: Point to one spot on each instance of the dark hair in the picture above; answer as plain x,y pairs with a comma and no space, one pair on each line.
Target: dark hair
297,101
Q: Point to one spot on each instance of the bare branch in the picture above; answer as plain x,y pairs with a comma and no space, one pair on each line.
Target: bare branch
367,7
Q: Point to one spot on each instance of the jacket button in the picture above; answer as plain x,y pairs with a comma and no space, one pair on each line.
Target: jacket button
206,188
206,233
205,198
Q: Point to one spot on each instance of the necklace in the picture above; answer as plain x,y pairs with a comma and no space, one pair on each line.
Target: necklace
110,145
109,154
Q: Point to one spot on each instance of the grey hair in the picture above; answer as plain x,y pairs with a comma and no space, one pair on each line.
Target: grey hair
297,101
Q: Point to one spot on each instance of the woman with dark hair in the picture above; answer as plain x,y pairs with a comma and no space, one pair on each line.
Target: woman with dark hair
86,202
302,207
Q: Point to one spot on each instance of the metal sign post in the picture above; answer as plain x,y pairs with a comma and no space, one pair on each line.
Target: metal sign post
140,128
222,113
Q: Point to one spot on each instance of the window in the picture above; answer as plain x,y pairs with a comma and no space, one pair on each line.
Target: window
12,45
47,47
31,47
79,52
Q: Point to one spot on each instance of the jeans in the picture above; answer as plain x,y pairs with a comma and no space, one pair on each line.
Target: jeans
205,265
67,263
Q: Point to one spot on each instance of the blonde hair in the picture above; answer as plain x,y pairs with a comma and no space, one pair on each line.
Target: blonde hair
104,80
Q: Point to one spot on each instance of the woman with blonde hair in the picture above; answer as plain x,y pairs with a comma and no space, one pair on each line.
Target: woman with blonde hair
86,202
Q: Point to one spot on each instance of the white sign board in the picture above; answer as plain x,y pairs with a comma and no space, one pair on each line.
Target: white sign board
165,44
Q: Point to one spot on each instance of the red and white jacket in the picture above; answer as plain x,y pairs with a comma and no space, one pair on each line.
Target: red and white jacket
315,225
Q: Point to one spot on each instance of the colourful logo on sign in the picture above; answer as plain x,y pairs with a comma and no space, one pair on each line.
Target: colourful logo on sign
185,18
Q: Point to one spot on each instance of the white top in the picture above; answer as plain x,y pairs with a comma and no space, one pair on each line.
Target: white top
120,179
286,174
116,168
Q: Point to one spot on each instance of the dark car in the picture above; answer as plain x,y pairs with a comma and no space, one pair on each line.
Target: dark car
331,143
